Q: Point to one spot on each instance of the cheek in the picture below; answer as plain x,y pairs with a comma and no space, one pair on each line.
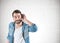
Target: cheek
19,17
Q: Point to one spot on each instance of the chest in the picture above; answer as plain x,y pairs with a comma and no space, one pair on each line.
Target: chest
18,32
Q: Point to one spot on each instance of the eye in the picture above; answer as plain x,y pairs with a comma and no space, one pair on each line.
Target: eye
15,17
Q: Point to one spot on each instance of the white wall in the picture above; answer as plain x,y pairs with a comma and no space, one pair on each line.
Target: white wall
44,13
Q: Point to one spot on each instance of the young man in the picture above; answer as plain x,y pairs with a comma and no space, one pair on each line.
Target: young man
20,28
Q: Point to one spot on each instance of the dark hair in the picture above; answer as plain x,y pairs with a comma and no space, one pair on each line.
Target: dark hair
16,11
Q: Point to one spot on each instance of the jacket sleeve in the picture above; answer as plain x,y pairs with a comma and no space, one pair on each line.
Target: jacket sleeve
9,36
32,28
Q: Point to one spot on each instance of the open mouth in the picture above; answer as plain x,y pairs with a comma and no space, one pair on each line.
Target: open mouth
18,21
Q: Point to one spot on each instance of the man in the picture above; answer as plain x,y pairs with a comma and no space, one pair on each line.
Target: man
20,28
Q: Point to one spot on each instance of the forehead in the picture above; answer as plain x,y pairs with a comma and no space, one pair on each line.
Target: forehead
17,14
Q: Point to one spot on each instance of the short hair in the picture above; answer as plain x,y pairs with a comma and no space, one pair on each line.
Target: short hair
16,11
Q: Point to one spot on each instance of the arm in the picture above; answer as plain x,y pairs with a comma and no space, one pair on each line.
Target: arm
31,26
8,37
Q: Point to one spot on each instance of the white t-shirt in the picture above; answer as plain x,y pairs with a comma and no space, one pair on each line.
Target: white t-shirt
18,38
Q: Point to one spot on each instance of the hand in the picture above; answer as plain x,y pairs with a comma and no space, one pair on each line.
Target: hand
7,41
24,19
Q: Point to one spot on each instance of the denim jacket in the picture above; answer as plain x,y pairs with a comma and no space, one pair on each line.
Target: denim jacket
25,29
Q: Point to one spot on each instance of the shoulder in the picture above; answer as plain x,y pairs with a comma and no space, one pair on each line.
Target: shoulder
11,24
24,24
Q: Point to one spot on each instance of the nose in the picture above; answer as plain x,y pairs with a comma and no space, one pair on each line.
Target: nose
17,18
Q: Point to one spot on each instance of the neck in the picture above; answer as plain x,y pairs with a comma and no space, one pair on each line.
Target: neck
18,25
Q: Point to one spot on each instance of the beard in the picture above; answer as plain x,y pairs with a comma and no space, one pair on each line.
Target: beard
18,21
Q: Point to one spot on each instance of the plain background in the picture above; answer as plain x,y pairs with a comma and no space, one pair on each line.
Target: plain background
44,13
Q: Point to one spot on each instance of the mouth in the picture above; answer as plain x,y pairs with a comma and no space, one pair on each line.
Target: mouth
18,21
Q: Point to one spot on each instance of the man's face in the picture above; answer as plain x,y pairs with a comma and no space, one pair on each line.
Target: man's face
17,18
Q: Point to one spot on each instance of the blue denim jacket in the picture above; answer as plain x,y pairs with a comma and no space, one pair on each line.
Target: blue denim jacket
25,29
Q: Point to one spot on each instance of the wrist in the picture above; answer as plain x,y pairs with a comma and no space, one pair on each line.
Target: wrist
28,22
